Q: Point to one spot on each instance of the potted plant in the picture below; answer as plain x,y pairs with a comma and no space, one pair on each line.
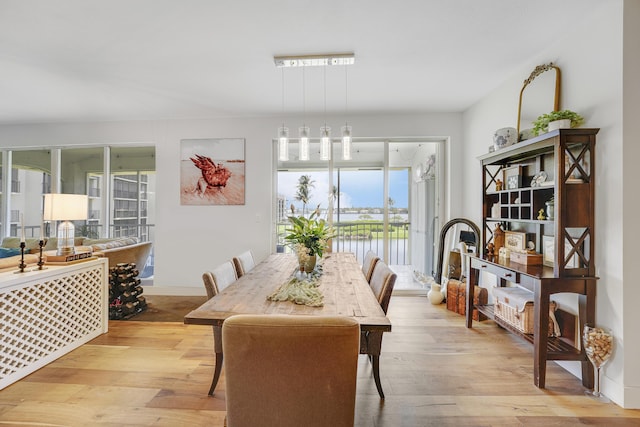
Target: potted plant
541,124
308,237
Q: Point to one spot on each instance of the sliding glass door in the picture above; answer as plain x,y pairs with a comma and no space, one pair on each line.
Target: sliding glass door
385,199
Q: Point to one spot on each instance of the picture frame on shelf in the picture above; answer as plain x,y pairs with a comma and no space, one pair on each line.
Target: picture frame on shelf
515,240
548,250
512,177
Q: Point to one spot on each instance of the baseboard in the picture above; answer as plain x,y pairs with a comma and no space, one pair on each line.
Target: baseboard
175,291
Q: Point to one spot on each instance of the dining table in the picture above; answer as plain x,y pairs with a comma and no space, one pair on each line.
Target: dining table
341,282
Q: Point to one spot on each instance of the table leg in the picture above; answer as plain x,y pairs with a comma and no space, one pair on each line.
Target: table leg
472,281
217,344
540,332
587,314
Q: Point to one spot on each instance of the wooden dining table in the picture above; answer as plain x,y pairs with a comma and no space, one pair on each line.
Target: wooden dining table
342,283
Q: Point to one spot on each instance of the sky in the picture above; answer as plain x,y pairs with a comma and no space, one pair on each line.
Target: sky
358,189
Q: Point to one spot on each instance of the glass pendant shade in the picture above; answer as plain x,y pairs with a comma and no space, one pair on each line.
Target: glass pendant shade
304,143
283,143
325,143
346,142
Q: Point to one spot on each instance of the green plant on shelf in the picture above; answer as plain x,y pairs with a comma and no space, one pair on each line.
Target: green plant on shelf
541,124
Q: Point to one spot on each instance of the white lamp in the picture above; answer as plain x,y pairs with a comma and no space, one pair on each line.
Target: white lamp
65,208
346,142
304,143
283,143
325,143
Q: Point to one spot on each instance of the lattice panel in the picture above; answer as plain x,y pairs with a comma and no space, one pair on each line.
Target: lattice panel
41,319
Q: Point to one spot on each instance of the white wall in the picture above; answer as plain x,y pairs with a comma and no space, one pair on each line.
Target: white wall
592,84
631,202
192,239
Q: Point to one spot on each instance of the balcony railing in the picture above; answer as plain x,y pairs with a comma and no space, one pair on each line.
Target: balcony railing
359,237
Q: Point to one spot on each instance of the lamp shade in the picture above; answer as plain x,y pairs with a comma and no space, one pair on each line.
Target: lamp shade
65,207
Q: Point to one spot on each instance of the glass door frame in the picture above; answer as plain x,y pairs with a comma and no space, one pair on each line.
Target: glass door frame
330,164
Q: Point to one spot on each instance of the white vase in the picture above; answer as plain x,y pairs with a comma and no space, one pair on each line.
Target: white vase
559,124
504,137
435,294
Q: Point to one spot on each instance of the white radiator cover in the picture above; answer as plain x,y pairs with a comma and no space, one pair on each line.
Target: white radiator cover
45,314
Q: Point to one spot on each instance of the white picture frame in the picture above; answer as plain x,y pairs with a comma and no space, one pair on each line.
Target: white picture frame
548,250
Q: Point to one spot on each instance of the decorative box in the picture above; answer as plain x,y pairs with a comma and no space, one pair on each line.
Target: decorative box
525,258
514,306
457,301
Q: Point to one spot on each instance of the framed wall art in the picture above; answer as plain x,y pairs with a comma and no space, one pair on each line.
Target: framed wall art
212,171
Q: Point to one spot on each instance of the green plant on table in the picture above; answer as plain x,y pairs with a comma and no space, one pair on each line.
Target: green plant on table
309,234
541,124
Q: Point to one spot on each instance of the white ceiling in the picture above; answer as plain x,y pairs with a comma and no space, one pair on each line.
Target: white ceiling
80,60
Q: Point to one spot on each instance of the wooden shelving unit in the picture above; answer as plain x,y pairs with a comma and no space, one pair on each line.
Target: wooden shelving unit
567,159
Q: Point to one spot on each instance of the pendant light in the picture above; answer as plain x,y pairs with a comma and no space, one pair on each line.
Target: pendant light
283,133
303,131
346,129
325,131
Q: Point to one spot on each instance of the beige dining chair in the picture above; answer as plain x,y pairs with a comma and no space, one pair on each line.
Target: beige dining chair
224,275
243,263
212,290
382,282
370,260
290,370
209,284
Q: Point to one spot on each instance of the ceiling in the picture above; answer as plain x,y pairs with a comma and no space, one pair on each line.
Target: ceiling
96,60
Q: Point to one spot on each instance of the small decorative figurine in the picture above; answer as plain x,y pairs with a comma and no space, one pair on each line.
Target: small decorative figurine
541,216
490,250
498,185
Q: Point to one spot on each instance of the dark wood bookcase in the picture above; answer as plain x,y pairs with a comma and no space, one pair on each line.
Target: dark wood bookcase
558,166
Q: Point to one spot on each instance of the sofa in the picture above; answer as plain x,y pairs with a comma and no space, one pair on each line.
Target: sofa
117,250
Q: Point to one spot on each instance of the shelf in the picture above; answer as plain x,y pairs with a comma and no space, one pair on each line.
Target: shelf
557,347
529,221
559,153
512,190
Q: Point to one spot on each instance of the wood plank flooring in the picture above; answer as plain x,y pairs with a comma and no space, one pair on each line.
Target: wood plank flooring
435,372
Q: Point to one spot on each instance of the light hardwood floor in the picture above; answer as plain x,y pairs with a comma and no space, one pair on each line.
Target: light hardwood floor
435,372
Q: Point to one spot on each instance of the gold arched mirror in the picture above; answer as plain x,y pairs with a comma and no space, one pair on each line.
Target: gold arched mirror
542,95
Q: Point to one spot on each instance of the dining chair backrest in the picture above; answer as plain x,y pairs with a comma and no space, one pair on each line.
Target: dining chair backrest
209,284
243,263
382,281
290,370
224,275
370,260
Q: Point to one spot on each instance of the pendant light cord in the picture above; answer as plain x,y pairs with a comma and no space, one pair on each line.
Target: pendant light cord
346,91
324,75
282,96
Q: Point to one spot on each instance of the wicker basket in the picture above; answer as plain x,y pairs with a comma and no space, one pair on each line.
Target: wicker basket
514,306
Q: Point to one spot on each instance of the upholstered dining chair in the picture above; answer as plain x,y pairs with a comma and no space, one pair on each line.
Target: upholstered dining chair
224,275
382,282
370,260
214,282
243,263
212,290
209,284
290,370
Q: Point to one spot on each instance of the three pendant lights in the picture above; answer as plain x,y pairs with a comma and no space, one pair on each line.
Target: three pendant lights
303,131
